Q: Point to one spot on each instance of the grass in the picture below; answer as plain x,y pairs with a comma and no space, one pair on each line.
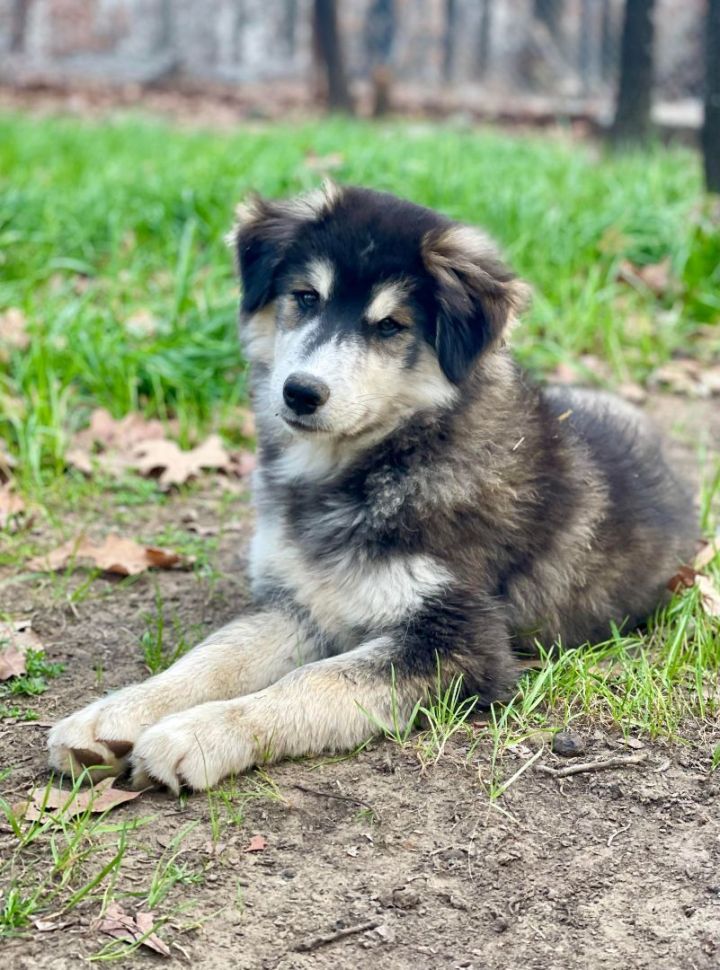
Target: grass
38,671
157,653
100,223
77,861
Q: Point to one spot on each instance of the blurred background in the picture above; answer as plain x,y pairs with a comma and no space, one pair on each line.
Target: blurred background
517,61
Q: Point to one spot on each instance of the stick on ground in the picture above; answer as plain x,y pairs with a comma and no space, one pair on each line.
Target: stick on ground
342,798
587,766
326,938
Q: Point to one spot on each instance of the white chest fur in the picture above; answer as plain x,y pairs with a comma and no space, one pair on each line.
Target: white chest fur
348,591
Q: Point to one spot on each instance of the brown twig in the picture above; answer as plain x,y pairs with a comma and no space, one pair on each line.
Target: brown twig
342,798
587,766
326,938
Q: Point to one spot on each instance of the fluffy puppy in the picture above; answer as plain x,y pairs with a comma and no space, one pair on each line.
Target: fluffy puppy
422,506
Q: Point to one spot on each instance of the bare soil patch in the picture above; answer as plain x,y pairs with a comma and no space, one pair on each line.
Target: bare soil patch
603,869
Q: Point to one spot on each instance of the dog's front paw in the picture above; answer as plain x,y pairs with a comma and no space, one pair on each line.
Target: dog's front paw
196,748
100,735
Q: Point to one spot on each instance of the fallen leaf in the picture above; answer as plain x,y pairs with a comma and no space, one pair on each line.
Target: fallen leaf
16,638
242,463
138,929
652,276
12,663
124,557
709,595
13,333
106,432
101,798
706,554
688,377
256,844
47,925
684,578
174,466
12,508
578,372
635,743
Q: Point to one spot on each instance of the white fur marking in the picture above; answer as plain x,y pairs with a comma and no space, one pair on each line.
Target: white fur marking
349,591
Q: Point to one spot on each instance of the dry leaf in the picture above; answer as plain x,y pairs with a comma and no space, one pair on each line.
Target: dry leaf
242,463
709,595
48,926
688,377
13,333
123,434
684,578
11,508
706,554
652,276
124,557
256,844
16,638
12,663
101,798
174,466
122,926
578,372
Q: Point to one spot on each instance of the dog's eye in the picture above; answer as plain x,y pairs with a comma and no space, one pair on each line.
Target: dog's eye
306,299
387,327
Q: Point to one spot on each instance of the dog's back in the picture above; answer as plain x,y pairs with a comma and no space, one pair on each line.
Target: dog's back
634,514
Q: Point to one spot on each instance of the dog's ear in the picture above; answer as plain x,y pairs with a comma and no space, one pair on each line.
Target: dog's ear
263,232
261,236
478,296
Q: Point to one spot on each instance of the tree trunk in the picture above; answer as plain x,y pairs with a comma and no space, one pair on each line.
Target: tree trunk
711,125
379,32
448,64
632,114
608,41
18,24
550,13
289,31
328,50
589,46
482,65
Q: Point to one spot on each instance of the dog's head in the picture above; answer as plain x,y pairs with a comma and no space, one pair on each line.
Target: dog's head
364,308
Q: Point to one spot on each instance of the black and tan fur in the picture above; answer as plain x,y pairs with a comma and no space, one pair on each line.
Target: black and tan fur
421,503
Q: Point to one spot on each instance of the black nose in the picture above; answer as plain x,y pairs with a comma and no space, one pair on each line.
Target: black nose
305,394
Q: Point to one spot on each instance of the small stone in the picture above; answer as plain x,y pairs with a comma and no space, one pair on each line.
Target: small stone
500,925
568,745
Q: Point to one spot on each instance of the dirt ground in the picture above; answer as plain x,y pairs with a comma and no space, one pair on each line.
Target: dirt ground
619,868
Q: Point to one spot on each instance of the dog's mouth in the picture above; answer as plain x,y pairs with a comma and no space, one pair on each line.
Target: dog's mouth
297,424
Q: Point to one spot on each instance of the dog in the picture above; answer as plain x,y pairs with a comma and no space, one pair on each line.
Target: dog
424,509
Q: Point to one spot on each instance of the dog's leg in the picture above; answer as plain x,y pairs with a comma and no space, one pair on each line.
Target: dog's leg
242,657
332,704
